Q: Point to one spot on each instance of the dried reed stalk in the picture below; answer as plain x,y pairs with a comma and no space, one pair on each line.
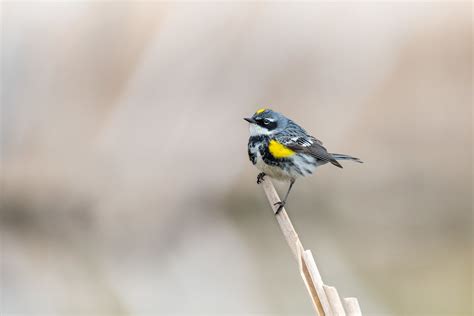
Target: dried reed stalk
325,299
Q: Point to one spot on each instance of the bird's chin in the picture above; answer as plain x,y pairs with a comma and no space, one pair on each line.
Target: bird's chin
256,130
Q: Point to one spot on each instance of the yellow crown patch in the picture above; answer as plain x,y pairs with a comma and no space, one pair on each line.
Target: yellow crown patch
261,110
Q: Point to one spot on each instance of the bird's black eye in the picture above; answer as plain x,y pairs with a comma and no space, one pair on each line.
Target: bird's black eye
266,121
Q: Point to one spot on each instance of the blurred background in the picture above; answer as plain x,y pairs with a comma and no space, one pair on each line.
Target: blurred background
125,183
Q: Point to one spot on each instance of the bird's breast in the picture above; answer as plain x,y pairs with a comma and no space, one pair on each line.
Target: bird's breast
279,162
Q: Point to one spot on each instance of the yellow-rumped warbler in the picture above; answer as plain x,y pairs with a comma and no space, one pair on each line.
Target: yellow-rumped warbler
283,150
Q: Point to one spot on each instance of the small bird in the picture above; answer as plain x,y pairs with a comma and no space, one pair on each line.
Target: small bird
283,150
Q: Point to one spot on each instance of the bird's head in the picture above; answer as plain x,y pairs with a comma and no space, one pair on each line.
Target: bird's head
266,122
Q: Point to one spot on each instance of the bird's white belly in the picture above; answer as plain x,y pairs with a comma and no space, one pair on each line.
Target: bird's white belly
273,171
305,165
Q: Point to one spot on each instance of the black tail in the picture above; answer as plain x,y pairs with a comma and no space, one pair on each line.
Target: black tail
343,157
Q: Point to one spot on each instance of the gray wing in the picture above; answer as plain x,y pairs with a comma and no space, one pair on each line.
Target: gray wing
309,145
296,134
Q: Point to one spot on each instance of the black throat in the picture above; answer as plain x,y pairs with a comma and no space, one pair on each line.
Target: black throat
253,140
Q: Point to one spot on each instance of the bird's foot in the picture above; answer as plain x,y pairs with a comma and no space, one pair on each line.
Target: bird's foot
261,177
280,204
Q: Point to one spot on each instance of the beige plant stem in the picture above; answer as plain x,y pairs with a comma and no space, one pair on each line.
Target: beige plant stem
325,299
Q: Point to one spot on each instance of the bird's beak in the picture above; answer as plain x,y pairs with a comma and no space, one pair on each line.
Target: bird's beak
250,120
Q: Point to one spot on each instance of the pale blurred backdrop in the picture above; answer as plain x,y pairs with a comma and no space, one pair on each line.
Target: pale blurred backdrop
126,187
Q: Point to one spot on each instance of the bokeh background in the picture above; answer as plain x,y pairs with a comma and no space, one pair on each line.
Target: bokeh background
125,183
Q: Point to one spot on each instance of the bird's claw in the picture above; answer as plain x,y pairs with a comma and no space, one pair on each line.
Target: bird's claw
280,204
260,177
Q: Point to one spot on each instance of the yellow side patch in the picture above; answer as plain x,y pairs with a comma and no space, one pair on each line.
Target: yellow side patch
260,110
279,150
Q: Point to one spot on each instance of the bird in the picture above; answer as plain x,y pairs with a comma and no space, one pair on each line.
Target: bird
283,150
